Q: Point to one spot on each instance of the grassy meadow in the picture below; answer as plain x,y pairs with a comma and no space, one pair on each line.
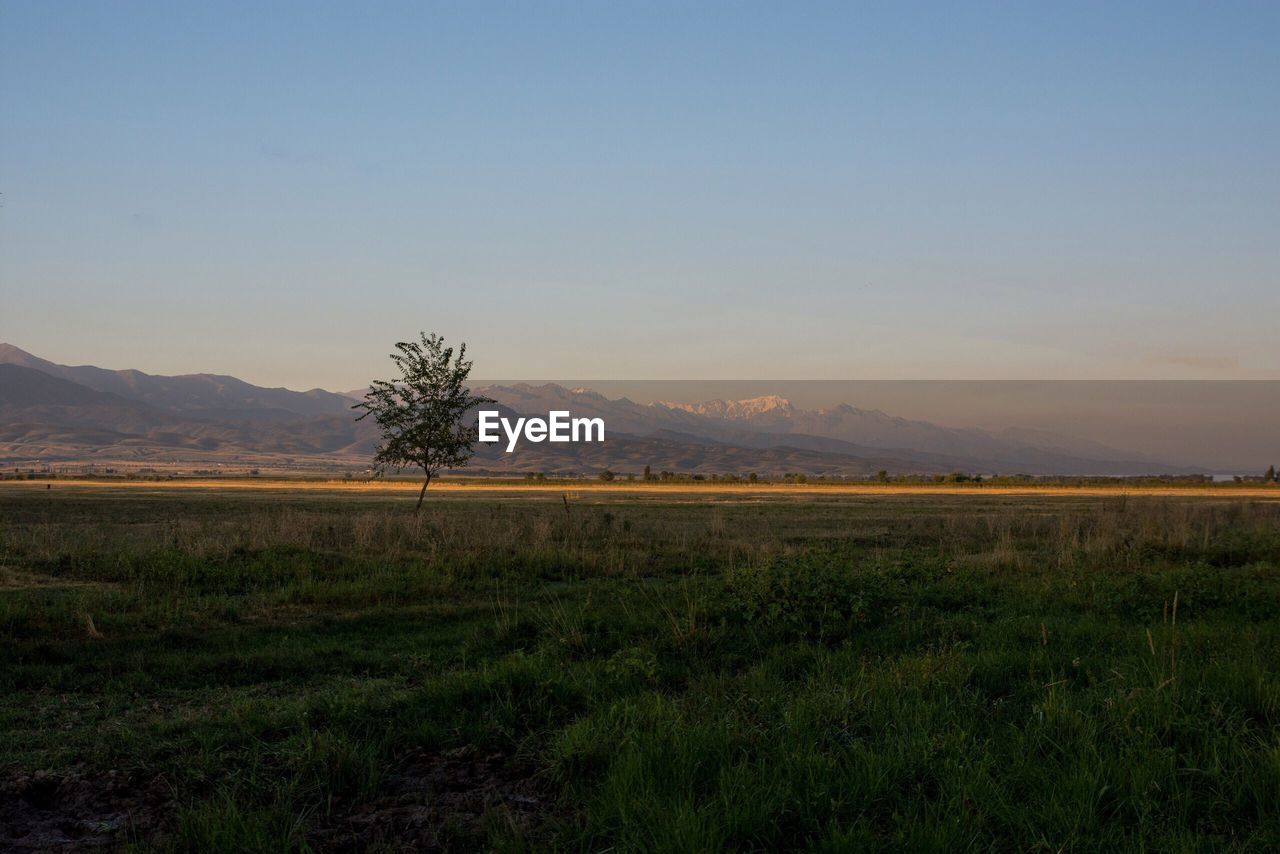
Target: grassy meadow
297,670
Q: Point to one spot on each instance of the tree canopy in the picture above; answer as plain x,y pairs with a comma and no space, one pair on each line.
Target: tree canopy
420,414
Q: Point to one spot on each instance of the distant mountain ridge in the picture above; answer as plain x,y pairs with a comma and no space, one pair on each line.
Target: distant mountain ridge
735,409
58,412
190,392
773,421
873,428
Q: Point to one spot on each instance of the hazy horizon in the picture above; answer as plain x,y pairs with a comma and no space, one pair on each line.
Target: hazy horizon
1220,425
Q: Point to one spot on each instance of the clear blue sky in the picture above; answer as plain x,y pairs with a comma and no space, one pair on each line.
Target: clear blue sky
620,190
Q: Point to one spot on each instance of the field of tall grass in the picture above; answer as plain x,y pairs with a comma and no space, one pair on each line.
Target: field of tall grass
247,671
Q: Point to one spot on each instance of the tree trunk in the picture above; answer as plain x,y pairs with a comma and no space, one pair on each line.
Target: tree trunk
423,493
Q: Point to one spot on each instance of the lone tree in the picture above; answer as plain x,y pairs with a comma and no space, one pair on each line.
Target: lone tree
420,414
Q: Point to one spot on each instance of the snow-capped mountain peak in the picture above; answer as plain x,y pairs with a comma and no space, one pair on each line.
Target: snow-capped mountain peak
770,404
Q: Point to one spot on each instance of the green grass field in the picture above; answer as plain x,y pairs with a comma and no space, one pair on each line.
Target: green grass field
273,670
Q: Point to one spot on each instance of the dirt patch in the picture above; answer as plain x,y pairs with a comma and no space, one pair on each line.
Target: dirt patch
73,810
440,802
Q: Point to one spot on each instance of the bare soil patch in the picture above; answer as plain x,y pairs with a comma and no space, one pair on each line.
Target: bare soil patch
74,810
441,802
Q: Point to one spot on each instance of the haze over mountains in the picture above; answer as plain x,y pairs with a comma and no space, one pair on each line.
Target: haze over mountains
52,413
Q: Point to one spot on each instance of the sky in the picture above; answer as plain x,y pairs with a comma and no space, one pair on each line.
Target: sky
742,190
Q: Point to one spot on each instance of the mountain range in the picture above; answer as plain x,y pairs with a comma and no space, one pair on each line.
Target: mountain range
51,413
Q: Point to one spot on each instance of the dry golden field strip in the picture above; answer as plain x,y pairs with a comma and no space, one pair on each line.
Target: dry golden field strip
497,486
